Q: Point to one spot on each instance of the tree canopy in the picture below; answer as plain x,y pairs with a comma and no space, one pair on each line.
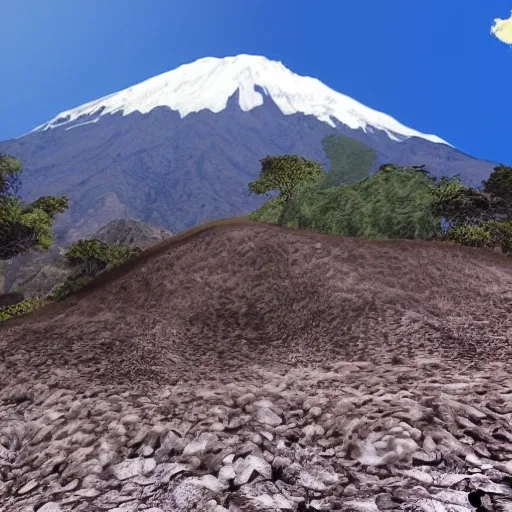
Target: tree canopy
24,226
404,202
10,170
499,184
285,174
392,203
459,204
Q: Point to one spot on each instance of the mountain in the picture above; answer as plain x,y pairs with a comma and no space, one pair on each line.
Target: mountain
131,233
179,149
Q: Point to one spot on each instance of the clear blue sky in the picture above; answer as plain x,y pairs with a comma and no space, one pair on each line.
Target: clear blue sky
431,64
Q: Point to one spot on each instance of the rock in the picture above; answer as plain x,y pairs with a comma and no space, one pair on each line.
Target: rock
421,458
37,273
264,502
130,419
217,427
147,451
473,460
384,501
315,412
362,506
452,497
316,478
246,399
87,493
283,503
212,484
251,464
28,487
228,459
430,505
312,433
200,446
227,473
268,417
165,472
448,479
131,233
51,506
483,483
71,486
291,472
235,423
429,445
133,467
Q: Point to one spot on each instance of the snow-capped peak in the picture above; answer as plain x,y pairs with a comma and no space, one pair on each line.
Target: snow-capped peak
209,82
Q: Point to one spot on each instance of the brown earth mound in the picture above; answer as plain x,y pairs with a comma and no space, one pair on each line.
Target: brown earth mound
242,367
233,295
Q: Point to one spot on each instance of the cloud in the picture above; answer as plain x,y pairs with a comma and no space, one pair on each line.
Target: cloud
502,29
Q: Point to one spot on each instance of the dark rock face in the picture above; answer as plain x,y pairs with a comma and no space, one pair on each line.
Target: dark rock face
36,273
177,173
9,299
131,233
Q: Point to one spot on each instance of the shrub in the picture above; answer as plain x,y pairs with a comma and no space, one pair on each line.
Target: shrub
501,232
470,235
118,255
487,235
70,285
90,257
22,308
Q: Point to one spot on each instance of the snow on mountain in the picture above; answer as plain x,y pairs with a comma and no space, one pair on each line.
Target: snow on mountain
209,82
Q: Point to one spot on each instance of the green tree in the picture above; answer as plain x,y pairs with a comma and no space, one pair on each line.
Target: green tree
10,170
286,174
24,226
459,204
499,184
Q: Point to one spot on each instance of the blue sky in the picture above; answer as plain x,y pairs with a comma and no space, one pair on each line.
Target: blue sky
431,64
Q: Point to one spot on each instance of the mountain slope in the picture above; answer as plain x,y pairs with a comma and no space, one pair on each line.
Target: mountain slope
131,155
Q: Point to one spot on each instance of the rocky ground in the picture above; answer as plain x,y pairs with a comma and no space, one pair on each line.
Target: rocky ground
421,420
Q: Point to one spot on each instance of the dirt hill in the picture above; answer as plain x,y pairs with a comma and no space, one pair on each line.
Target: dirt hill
230,296
281,348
